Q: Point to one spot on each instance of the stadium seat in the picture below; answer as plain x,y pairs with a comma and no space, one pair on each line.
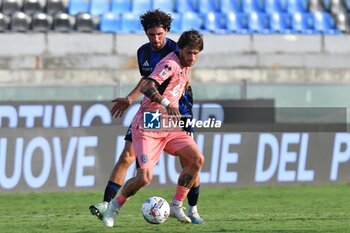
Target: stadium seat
227,6
78,6
249,6
140,6
338,6
303,23
111,22
183,6
84,22
131,23
259,23
55,6
4,22
342,22
41,22
326,5
207,6
191,20
120,6
280,23
99,7
297,6
32,6
272,6
347,5
10,6
176,23
165,5
316,6
20,21
324,23
215,22
237,23
63,22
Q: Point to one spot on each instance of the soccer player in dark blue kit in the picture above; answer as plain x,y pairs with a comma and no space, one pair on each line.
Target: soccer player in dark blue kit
156,25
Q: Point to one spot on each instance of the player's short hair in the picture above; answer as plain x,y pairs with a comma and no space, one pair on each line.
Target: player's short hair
156,18
191,38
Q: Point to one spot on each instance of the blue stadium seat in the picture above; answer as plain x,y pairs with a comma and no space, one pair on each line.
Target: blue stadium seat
324,23
140,6
111,22
191,20
272,6
280,23
327,5
131,23
227,6
164,5
182,6
249,6
176,23
78,6
99,7
347,5
297,6
237,23
259,23
215,22
120,6
303,23
207,6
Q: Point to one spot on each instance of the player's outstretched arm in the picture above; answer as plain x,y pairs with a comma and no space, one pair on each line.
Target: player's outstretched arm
121,104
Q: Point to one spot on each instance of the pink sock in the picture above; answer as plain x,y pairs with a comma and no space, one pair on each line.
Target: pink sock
121,199
181,193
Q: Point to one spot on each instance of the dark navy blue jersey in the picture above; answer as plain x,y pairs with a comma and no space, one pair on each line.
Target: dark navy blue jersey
148,58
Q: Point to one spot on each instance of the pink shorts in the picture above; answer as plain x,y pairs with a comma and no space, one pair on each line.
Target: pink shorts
148,145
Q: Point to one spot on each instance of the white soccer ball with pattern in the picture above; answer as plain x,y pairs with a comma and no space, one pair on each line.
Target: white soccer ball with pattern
155,210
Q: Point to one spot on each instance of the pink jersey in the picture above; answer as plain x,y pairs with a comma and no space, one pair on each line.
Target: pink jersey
168,68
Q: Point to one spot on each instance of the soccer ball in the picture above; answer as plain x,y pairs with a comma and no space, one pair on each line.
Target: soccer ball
155,210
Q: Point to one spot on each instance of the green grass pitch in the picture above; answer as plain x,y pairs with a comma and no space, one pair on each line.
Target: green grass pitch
302,208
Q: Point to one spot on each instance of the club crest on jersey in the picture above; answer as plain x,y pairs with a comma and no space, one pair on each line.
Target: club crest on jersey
144,158
165,71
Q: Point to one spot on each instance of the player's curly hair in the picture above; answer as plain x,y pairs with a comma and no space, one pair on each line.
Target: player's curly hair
156,18
191,38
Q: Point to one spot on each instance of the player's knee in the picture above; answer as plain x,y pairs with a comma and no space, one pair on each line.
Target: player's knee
128,157
198,162
144,179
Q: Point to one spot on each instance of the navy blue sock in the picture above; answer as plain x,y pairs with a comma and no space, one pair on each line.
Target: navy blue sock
192,196
110,191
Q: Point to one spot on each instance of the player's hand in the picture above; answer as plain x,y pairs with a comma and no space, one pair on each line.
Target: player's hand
173,112
119,106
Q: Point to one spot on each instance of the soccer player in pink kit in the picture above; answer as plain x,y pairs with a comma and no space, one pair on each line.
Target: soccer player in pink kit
162,90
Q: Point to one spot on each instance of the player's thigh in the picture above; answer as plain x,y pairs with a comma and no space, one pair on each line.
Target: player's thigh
190,154
147,147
